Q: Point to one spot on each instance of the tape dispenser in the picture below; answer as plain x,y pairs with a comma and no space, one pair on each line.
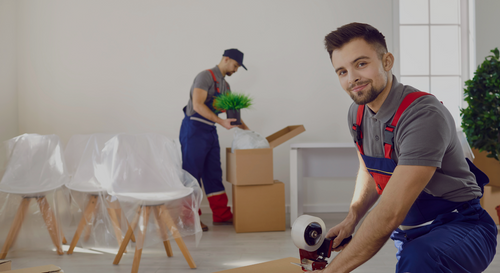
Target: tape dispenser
308,234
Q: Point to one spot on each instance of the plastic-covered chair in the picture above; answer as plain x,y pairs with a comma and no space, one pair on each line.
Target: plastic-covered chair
32,167
145,173
101,213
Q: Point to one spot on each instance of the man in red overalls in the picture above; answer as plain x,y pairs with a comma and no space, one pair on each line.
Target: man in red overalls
412,162
198,135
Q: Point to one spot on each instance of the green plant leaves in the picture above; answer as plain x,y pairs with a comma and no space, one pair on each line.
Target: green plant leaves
232,101
480,121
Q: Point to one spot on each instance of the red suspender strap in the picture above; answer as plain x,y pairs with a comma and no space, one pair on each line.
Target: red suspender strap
357,128
389,129
215,80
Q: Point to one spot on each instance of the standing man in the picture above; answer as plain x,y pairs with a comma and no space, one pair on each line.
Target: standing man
198,136
411,159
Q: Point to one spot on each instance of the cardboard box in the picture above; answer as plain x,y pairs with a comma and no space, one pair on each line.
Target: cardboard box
490,166
259,207
490,200
5,265
278,266
255,166
38,269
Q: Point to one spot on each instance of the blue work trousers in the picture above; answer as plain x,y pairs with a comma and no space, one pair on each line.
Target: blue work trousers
201,158
464,240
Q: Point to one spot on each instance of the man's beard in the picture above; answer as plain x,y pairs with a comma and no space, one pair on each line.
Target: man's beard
364,97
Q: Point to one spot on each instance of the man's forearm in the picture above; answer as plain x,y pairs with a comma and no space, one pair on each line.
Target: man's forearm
370,237
365,195
403,188
205,112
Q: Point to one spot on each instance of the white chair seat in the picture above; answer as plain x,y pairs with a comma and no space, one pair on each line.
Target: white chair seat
90,189
31,192
33,166
154,198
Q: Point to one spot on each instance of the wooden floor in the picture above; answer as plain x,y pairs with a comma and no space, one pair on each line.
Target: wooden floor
220,248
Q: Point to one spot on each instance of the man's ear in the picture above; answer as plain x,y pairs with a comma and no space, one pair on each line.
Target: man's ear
388,61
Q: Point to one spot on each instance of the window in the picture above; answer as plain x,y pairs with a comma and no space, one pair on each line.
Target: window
433,48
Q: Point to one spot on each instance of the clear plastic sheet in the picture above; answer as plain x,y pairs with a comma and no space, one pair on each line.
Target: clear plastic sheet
33,173
159,199
38,218
465,145
246,139
32,163
97,220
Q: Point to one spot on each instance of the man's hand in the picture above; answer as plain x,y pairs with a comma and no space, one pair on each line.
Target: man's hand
341,231
226,123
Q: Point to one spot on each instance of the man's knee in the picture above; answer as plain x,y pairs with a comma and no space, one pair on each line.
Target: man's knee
417,257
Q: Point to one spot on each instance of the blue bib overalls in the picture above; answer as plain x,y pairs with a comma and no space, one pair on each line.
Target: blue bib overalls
453,236
201,158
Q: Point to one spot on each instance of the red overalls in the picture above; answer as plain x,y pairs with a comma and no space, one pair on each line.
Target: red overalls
201,156
426,207
456,237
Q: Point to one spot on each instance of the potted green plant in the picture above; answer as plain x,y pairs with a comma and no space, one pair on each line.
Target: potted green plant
481,117
233,103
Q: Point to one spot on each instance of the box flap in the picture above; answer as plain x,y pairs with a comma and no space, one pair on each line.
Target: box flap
38,269
278,266
5,265
284,134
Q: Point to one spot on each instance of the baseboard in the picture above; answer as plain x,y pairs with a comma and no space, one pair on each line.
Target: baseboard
319,208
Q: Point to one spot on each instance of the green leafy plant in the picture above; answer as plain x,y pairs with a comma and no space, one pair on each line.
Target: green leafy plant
233,101
480,120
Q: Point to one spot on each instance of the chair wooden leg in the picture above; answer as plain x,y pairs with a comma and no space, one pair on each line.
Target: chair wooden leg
83,222
163,232
51,223
92,218
119,213
127,237
167,219
142,239
64,241
116,225
15,227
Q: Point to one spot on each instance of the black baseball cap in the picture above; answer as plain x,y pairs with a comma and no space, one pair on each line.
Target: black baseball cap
236,55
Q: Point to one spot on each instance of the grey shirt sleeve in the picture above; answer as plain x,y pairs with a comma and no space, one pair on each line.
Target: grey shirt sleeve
423,133
204,81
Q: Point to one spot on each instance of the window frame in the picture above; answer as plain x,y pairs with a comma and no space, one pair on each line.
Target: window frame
467,45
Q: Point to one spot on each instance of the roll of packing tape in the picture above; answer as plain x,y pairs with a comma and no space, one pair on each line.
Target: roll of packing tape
308,232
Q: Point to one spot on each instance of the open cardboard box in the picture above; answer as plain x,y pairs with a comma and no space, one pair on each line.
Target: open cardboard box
490,200
278,266
5,265
255,166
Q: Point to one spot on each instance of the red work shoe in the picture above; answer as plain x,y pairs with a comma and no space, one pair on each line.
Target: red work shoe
225,223
203,226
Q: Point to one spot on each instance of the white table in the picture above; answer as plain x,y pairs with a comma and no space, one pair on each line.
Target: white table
318,160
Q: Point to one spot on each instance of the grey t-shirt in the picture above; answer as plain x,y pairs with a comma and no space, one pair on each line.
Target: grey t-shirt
425,136
205,81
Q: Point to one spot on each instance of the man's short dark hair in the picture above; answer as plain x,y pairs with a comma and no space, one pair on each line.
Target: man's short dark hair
344,34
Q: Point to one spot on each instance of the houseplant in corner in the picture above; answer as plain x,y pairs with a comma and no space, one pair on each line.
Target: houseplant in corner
233,103
481,125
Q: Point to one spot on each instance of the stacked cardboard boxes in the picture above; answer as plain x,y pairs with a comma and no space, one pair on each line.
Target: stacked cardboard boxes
258,199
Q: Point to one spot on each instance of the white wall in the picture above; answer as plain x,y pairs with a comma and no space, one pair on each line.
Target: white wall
8,73
127,66
487,22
